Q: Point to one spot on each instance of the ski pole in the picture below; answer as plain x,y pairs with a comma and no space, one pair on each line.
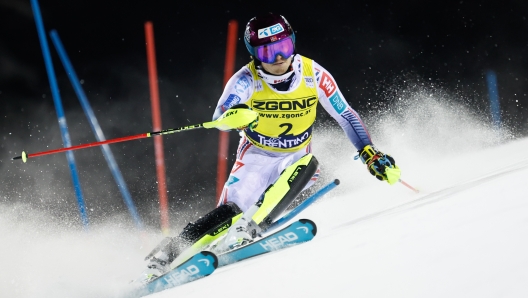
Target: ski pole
231,119
410,187
393,175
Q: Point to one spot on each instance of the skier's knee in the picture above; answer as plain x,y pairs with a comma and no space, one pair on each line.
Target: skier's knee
313,180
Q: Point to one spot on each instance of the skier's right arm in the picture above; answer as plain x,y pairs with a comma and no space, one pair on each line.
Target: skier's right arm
333,101
238,90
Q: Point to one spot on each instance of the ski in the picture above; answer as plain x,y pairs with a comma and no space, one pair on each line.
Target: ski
298,232
200,265
309,201
204,263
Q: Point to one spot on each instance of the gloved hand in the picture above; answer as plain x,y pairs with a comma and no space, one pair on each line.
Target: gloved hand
251,125
380,165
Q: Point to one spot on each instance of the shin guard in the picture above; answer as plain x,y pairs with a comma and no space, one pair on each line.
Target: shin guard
199,234
281,194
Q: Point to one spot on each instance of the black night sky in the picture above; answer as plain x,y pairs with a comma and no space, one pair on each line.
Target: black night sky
368,46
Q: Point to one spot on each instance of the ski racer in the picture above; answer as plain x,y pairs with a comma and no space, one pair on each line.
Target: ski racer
274,162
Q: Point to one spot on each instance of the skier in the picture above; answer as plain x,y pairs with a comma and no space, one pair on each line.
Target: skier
274,161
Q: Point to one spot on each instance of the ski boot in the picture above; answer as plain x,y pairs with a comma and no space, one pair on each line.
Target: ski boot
243,232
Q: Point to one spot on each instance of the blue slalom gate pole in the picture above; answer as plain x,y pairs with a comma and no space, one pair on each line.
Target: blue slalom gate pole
96,128
60,112
493,91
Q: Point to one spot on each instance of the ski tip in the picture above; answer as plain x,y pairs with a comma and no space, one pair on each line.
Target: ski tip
336,181
207,253
314,227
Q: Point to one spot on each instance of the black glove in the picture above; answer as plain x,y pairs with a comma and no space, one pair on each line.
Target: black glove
379,164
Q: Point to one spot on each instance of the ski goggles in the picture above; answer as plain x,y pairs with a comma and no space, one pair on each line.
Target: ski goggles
268,53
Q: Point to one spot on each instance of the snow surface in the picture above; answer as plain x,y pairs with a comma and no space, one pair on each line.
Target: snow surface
464,235
468,239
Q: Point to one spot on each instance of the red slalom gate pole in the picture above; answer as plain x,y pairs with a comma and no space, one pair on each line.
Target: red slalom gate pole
223,142
156,123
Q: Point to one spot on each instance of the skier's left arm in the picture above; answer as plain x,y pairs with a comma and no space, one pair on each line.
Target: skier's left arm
335,104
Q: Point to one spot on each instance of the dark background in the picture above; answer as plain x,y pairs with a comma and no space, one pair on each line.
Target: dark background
368,47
